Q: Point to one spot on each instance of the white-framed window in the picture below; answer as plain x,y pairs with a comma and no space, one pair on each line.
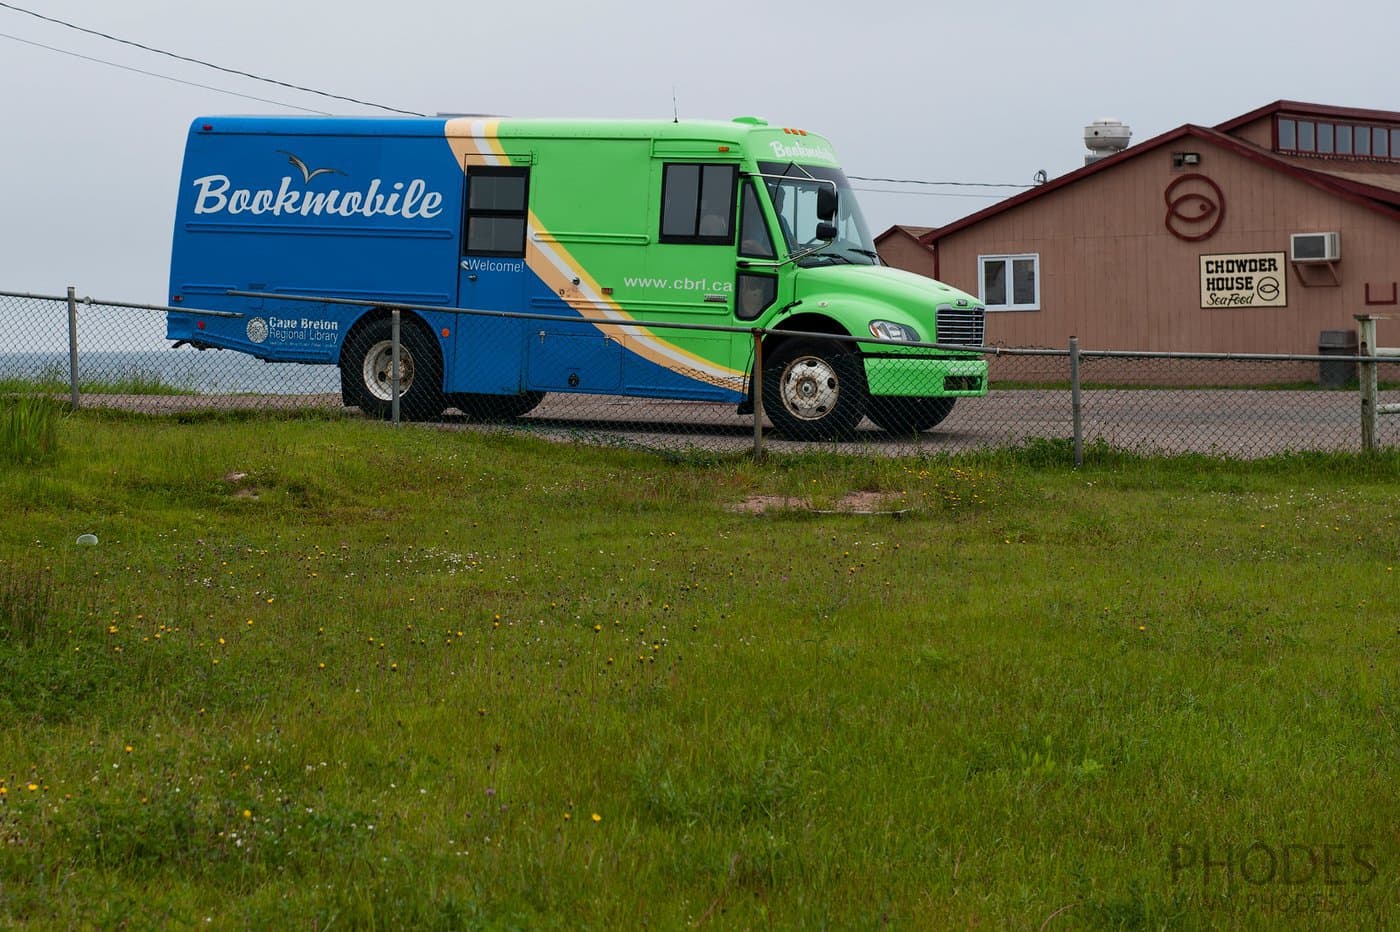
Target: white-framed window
1010,283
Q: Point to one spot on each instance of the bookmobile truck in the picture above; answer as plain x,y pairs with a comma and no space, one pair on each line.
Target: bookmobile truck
577,241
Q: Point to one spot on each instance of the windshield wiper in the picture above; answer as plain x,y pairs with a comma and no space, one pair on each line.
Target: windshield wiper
835,256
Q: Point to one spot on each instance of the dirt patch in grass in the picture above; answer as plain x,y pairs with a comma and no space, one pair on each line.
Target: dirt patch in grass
852,503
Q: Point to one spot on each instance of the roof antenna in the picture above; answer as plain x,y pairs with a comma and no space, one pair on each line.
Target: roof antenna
675,108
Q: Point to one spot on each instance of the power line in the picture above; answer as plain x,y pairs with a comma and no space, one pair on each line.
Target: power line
913,181
163,77
197,61
365,103
924,193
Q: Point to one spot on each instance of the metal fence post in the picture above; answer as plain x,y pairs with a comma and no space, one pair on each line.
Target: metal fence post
1074,401
757,393
394,368
73,345
1368,381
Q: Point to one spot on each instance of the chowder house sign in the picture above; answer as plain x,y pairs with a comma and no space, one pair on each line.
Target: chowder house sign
1249,279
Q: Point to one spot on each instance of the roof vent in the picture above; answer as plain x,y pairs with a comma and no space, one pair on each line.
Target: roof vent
1104,138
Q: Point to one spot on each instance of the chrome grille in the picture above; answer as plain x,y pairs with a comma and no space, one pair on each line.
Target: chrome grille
964,326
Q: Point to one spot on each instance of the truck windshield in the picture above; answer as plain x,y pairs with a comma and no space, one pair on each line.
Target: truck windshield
793,190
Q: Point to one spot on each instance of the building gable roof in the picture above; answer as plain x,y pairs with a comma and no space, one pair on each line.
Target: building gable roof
1379,193
913,232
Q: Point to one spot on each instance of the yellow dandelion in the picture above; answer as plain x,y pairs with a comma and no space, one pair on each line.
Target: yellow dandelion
597,818
247,813
32,787
127,749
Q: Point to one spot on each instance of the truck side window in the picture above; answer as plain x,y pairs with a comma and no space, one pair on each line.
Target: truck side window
496,209
754,241
697,203
755,295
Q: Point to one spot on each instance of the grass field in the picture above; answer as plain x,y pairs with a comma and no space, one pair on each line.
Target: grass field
325,673
55,381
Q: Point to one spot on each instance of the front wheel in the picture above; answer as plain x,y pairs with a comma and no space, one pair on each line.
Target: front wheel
814,390
908,415
367,377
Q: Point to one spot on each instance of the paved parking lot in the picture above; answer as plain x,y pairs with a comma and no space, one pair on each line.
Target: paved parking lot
1228,422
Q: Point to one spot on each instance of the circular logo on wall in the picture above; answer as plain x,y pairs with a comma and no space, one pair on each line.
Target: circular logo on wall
257,330
1195,207
1268,288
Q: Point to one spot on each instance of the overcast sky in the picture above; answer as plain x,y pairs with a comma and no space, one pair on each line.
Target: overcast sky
967,92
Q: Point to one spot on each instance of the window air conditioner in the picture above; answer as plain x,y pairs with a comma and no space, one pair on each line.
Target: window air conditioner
1315,247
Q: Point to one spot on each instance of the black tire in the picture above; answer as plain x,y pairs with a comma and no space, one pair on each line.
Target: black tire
495,407
814,389
907,415
366,363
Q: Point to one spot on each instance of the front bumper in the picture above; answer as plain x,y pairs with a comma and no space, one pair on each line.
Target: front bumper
922,376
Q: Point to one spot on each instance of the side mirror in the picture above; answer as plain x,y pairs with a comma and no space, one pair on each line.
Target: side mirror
826,202
826,231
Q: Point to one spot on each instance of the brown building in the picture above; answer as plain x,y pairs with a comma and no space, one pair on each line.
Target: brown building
1253,236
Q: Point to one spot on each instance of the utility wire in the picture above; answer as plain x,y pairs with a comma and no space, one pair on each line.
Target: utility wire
163,77
924,193
196,61
365,103
956,184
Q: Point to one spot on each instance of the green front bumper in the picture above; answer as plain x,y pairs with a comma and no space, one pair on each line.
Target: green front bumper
923,376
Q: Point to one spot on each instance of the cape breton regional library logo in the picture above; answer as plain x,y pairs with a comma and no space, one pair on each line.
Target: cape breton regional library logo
294,196
284,330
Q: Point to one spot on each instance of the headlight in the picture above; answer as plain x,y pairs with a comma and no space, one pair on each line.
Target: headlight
888,330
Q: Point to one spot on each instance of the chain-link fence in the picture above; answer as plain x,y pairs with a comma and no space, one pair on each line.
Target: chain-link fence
815,390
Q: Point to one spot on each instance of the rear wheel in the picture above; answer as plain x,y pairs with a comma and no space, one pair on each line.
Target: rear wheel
908,415
814,390
366,372
495,407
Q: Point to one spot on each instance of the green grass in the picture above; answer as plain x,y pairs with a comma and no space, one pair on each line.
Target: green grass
54,380
28,430
322,672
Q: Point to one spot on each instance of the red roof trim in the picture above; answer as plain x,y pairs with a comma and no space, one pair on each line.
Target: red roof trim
1306,109
1054,184
1380,200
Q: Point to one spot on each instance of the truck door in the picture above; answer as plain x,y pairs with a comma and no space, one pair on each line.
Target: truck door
492,276
689,278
